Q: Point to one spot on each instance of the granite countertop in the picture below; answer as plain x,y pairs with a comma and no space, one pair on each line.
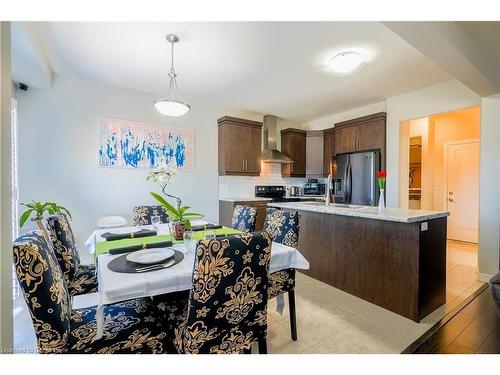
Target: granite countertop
389,214
245,199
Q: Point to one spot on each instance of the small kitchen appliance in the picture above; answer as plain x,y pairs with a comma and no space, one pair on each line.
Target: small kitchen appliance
313,187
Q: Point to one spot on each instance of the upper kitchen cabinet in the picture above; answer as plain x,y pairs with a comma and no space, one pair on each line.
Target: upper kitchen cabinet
328,150
362,134
314,153
239,146
293,144
345,139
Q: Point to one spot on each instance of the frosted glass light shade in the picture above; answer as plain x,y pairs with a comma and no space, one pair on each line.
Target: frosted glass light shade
345,62
171,108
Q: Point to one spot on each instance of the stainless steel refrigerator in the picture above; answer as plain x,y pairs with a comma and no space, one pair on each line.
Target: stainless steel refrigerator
355,178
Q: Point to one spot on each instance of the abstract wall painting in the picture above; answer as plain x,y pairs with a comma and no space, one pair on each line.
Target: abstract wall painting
127,144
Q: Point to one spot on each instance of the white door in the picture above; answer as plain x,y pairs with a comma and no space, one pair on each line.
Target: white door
463,190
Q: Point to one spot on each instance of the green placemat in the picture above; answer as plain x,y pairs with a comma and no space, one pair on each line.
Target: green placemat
105,246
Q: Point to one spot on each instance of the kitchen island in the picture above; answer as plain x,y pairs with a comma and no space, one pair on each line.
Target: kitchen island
395,258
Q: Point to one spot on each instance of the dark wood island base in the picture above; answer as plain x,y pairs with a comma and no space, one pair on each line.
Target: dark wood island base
396,265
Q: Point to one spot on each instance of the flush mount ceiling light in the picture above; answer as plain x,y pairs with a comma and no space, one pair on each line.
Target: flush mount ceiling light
172,105
345,62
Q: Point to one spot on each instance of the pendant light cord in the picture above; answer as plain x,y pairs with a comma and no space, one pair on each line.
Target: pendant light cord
172,58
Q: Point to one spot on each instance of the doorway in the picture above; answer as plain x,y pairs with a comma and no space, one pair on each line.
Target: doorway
439,171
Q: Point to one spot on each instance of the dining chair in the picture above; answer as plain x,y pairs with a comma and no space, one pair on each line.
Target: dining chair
244,218
111,222
129,327
81,278
143,214
226,309
283,227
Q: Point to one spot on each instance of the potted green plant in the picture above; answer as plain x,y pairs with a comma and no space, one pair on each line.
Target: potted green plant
39,209
181,218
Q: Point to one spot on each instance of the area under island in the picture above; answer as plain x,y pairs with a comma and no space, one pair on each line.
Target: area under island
395,258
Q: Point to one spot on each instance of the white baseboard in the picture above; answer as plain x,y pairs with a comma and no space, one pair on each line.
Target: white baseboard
484,278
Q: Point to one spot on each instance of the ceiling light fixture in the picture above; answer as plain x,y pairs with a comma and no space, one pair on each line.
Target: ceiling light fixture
345,62
172,105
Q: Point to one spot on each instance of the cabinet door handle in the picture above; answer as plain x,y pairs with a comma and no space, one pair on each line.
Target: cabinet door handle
243,162
246,165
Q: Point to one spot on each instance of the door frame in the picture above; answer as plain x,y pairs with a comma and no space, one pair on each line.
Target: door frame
445,167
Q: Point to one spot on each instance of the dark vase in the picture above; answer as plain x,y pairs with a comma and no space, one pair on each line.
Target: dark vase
179,229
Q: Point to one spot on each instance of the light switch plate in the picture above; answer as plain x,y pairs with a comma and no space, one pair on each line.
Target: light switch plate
424,226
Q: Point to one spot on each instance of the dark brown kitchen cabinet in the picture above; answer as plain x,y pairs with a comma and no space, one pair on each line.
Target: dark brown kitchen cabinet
328,150
345,140
239,146
362,134
314,153
293,144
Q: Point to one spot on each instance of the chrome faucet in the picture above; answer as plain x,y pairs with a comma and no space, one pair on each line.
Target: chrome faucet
328,195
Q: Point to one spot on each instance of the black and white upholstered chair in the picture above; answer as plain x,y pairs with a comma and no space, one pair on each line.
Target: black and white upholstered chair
226,309
129,327
283,227
143,214
80,278
244,218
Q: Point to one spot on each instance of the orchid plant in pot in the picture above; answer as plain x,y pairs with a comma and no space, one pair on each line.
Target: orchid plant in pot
181,218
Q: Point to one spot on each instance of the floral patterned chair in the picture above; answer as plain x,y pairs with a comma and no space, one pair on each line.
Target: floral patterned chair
226,309
81,278
142,214
244,218
130,327
283,227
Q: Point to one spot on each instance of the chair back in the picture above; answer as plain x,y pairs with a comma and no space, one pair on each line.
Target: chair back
44,290
244,218
64,245
283,226
227,306
142,214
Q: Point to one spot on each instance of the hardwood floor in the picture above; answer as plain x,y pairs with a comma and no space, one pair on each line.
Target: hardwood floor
474,329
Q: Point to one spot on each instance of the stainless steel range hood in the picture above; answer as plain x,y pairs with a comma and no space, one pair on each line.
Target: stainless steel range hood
270,154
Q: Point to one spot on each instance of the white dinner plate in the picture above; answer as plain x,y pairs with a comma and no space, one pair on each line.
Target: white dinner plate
150,256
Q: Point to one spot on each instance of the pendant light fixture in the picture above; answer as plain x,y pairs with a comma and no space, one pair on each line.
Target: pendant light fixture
173,104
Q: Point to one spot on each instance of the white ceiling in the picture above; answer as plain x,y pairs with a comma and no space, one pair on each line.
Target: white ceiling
274,67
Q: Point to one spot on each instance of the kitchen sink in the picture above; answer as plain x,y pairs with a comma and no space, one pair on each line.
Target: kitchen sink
349,206
336,205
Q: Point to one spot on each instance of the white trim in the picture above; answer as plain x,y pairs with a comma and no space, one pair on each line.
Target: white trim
483,277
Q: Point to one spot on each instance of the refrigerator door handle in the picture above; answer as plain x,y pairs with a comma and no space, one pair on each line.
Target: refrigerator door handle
348,183
344,182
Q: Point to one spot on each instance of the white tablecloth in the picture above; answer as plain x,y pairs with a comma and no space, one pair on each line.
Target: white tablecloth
115,287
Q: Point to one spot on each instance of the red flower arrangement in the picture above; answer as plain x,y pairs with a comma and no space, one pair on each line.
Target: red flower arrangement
381,175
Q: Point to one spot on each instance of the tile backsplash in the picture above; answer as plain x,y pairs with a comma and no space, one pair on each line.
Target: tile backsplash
244,186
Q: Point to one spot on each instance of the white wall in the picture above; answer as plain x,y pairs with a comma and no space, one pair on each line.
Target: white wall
58,152
489,188
6,333
328,121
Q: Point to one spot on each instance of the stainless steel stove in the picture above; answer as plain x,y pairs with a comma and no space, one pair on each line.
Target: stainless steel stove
276,193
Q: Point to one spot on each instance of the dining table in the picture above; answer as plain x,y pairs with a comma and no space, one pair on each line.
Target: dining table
114,287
